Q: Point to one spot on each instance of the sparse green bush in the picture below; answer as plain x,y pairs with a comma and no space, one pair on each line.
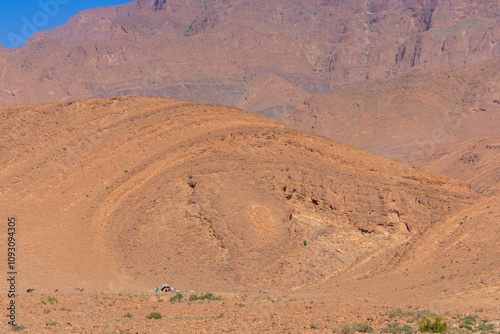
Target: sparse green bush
154,315
399,313
407,329
206,296
486,327
469,319
346,330
50,300
362,327
466,326
128,315
315,325
468,322
415,317
18,327
177,298
435,325
53,323
395,329
392,328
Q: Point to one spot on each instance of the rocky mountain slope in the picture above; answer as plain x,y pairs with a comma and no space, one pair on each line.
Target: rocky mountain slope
456,262
417,111
225,52
475,161
125,193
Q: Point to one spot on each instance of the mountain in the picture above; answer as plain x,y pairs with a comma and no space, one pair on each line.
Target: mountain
397,116
456,262
121,194
475,161
222,51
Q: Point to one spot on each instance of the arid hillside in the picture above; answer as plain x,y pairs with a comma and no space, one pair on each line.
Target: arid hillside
475,161
124,193
396,116
264,56
296,232
453,264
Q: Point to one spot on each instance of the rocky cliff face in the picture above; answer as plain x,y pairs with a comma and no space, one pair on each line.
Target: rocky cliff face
214,51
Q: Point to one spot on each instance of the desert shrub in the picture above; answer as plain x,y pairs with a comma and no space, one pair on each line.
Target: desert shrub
413,317
471,320
154,315
346,330
407,329
397,313
362,327
466,326
128,315
392,328
50,300
315,325
427,324
206,296
468,322
177,298
486,327
395,329
416,317
18,327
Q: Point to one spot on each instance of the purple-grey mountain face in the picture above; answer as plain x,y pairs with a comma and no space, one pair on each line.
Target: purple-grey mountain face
262,56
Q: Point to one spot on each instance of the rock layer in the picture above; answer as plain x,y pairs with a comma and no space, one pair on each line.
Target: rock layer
122,192
396,116
213,51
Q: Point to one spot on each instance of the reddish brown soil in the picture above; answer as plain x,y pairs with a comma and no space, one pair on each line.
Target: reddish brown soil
254,312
